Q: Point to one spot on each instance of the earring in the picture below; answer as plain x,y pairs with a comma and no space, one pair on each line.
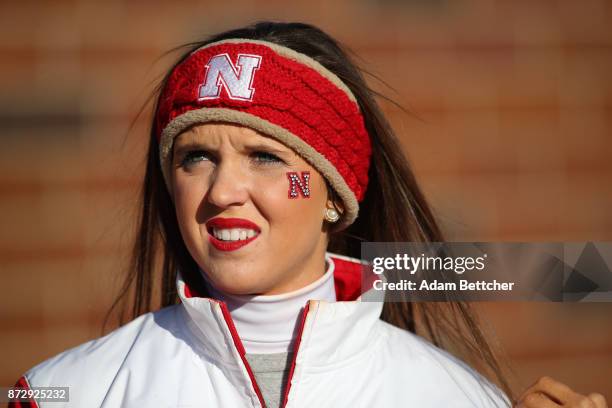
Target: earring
331,215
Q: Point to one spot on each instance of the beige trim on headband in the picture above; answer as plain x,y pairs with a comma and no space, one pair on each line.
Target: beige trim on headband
316,159
294,56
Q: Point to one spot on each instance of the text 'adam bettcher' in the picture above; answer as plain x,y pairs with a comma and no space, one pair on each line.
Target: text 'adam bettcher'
412,264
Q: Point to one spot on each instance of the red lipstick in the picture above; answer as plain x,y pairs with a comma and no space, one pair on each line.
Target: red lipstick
226,223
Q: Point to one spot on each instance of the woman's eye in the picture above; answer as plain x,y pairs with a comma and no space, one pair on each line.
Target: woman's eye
266,158
195,157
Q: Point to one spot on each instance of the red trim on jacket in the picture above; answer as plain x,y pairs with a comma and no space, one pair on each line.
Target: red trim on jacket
241,351
295,349
347,279
23,383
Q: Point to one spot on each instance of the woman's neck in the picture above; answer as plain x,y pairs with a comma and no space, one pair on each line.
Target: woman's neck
268,323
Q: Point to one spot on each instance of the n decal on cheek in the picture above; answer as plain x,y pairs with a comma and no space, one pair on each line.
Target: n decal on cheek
295,182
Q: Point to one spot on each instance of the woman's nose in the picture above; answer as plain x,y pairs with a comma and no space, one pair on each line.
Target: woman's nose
228,185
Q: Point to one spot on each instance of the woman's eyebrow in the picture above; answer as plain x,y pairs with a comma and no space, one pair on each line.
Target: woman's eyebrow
267,148
192,144
196,145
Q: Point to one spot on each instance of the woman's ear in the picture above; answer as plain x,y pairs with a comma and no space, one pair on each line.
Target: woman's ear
336,205
333,201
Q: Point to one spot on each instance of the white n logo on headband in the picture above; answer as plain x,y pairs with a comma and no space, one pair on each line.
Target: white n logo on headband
237,80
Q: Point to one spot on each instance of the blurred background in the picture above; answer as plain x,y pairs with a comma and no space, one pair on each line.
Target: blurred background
510,137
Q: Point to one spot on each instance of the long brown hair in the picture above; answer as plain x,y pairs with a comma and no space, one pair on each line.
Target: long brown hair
393,210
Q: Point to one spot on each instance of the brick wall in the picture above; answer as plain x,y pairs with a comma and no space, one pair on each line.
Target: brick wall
514,143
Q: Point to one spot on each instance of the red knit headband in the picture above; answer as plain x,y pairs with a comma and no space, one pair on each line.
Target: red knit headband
279,92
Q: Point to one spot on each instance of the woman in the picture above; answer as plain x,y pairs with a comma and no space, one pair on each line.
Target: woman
269,162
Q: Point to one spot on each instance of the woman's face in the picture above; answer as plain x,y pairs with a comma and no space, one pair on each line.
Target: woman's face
232,196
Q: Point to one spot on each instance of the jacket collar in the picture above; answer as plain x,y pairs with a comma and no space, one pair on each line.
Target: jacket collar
269,323
330,332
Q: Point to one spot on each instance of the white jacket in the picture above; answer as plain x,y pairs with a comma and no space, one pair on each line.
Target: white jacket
190,355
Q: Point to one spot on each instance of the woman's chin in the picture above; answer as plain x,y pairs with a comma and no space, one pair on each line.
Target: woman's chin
240,284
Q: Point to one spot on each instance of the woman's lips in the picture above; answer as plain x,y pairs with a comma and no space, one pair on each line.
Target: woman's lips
229,245
230,223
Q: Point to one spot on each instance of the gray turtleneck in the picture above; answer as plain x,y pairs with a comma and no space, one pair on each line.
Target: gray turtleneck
271,372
